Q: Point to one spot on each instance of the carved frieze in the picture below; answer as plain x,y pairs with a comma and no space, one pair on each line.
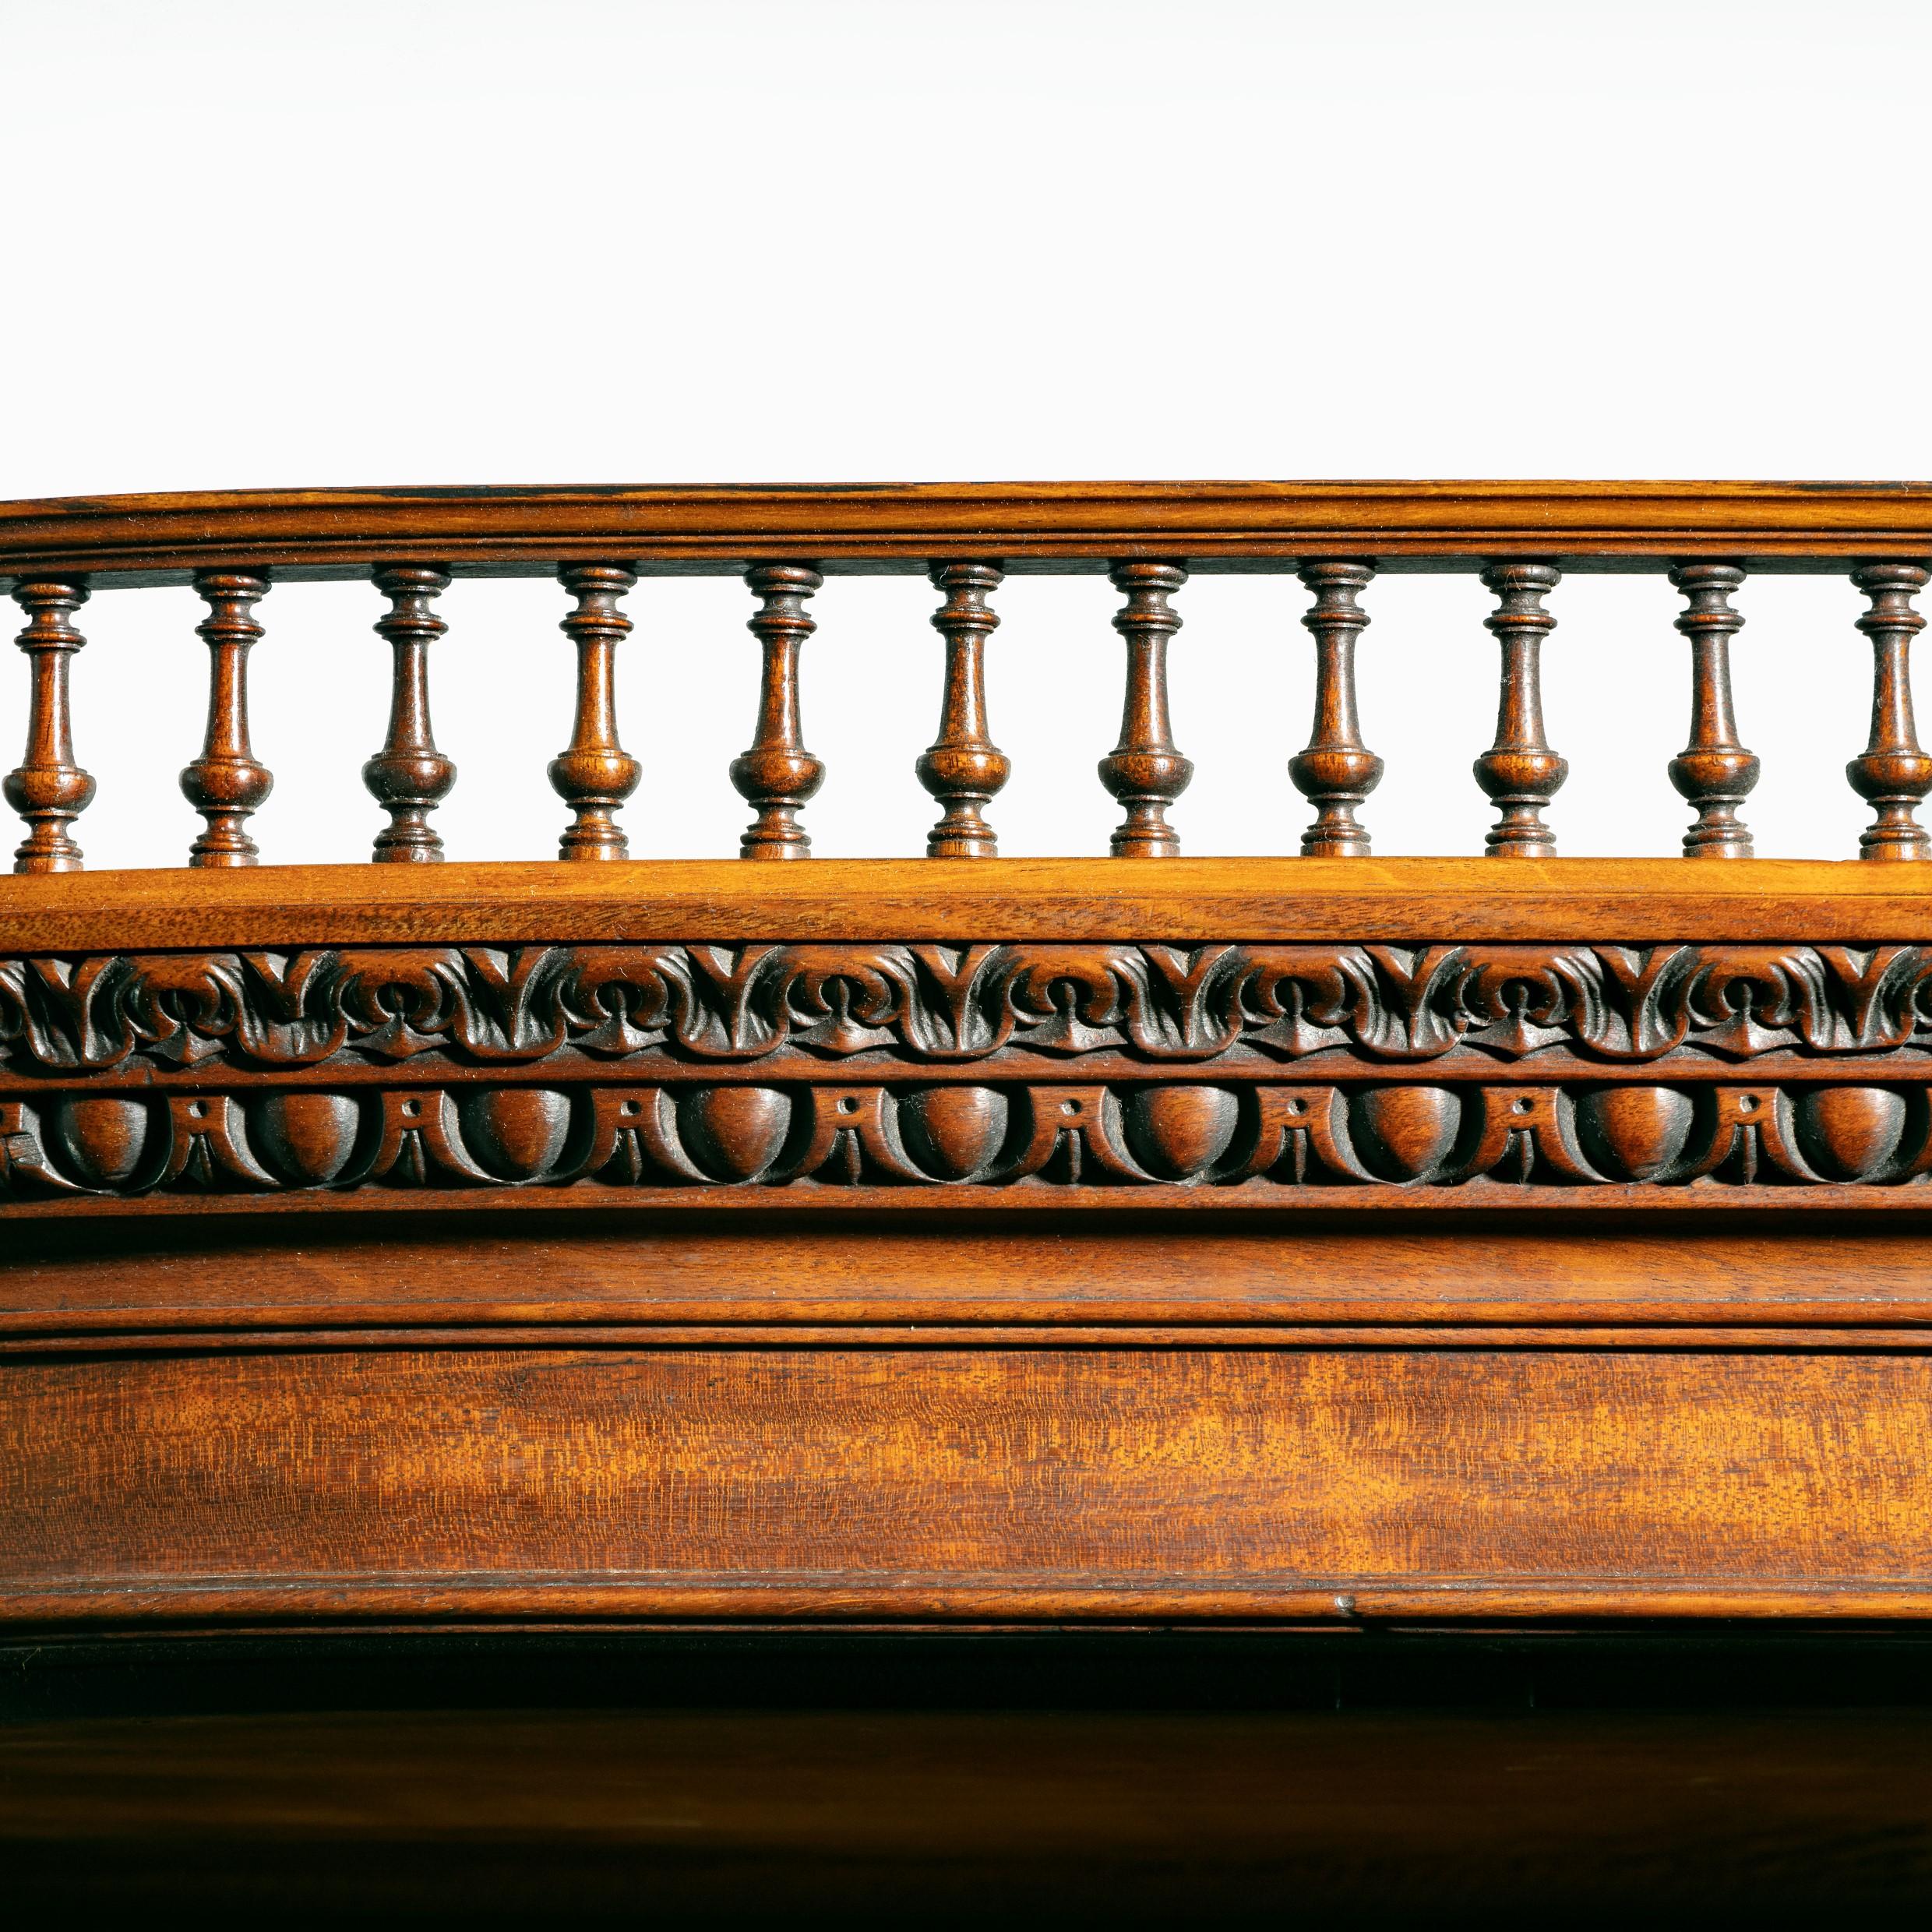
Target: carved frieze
1285,1139
684,1007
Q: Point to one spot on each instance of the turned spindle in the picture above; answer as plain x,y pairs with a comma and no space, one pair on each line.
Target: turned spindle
48,789
1892,774
777,775
409,777
596,774
963,768
1145,772
225,784
1714,772
1337,772
1520,772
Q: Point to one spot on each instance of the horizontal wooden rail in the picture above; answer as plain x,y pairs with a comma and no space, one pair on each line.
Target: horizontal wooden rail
165,538
1634,901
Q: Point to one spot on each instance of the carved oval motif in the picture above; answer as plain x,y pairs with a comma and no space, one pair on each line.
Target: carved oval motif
1635,1133
953,1131
733,1132
306,1138
103,1137
1179,1132
1405,1133
1850,1133
517,1131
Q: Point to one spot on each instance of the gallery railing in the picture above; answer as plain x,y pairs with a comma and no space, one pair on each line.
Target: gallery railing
1324,1236
1522,538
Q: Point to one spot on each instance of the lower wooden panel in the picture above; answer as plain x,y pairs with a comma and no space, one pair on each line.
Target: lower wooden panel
1257,1483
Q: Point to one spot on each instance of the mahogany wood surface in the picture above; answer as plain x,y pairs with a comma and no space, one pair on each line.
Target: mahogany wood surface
1182,899
722,530
978,1482
1327,1237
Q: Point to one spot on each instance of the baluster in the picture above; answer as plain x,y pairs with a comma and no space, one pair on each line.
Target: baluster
963,768
1144,771
409,777
225,784
1520,772
1892,773
777,775
48,789
1714,772
1337,772
596,774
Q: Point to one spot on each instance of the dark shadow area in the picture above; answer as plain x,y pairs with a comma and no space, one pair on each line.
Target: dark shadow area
1130,1777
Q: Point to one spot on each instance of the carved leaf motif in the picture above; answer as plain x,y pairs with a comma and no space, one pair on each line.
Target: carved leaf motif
1300,999
1650,1017
843,999
511,1007
1517,1000
970,1017
399,1001
1747,999
619,999
1420,1017
1076,999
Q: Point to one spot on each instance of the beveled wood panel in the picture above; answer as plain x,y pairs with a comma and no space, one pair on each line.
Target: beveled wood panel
213,1279
1618,900
1049,1483
906,526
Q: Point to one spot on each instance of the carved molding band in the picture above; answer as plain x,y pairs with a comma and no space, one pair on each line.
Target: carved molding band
1295,1141
481,1007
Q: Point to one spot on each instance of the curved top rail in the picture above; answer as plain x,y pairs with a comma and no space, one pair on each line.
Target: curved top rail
707,529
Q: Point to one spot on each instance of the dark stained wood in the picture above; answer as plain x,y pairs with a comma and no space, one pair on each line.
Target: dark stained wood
227,784
47,788
1337,771
1379,1813
409,777
1519,772
1893,773
963,768
1815,526
850,1483
777,775
595,775
1145,771
1714,772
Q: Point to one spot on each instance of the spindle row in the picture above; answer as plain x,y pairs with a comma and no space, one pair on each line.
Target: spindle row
963,769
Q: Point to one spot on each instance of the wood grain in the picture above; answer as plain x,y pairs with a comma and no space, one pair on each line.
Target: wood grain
1623,901
904,526
206,1277
964,1482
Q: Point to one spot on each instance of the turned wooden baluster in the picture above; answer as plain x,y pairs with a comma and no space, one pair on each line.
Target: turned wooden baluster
48,789
963,768
409,777
1144,771
596,774
1892,773
1337,772
226,784
777,775
1520,772
1714,772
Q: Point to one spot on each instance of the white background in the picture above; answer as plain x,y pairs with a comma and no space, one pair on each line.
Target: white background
723,240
